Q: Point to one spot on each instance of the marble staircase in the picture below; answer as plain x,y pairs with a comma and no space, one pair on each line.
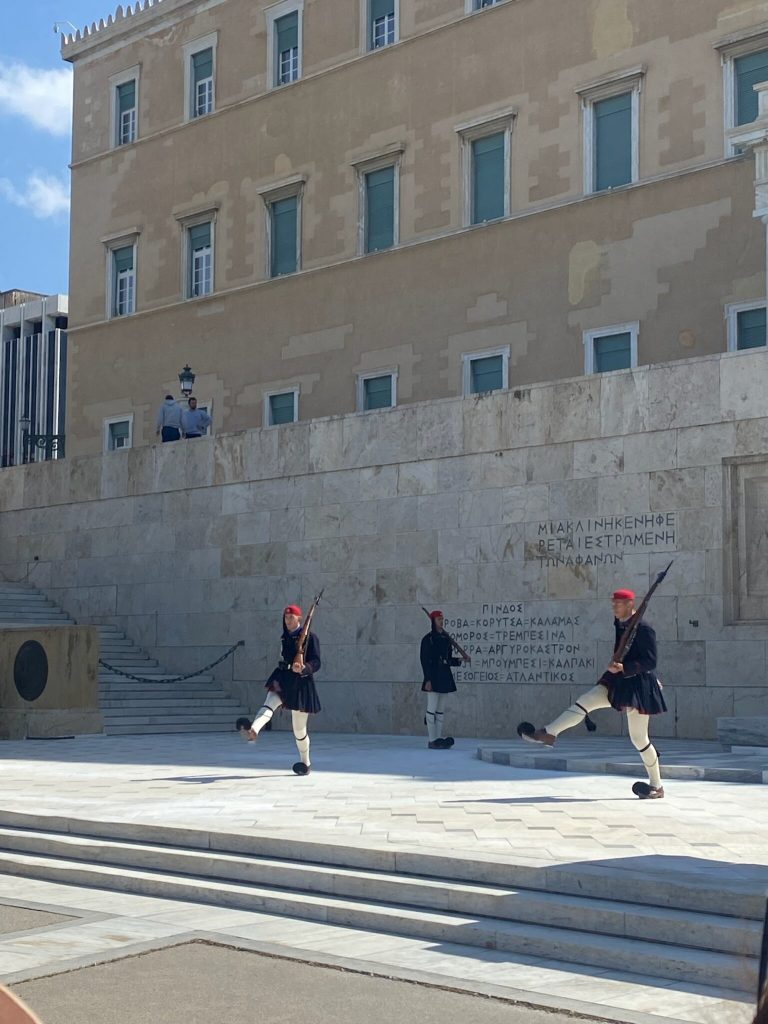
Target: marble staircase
157,704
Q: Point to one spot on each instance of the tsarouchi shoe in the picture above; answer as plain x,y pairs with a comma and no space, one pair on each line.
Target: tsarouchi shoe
646,792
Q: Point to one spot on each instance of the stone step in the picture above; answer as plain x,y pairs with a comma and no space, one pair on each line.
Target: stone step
43,615
153,703
165,730
145,691
575,930
181,718
217,705
149,674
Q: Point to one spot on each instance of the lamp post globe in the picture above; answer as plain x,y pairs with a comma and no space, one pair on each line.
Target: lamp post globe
187,381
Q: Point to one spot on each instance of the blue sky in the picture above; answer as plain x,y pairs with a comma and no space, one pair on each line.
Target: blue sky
35,115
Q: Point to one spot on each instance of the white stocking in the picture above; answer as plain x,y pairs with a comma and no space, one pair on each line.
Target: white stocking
588,702
266,711
638,733
300,721
435,703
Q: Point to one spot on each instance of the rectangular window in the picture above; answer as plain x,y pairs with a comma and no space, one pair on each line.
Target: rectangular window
480,4
200,256
376,392
486,374
118,435
750,328
123,281
748,71
287,48
612,141
488,177
125,103
611,348
282,408
380,209
202,82
613,352
381,23
284,223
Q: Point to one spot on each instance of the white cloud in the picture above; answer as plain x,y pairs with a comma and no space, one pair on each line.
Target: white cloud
43,195
40,95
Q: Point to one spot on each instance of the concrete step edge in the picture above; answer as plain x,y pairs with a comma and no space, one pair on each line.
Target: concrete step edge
573,913
635,955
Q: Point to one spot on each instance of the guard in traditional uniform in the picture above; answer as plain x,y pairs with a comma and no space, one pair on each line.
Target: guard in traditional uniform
436,661
630,686
289,689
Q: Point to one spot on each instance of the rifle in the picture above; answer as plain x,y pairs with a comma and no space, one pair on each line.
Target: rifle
460,650
630,630
297,665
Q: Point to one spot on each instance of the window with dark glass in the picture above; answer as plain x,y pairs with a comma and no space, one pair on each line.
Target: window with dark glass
282,408
749,71
380,209
488,186
377,392
126,112
750,328
381,23
613,141
613,352
486,374
287,48
284,236
202,82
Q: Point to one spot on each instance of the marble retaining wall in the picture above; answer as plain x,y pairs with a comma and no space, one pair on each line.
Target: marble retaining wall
517,513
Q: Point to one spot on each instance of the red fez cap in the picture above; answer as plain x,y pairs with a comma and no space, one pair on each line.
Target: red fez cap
624,595
292,609
436,614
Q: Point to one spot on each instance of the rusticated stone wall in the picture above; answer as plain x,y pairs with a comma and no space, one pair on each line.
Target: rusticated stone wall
517,513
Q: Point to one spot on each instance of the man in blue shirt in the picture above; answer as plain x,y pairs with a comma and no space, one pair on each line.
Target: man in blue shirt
194,421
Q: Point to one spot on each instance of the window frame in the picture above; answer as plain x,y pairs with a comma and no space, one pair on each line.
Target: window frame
294,389
272,15
732,311
108,422
737,136
366,42
471,6
370,164
606,88
132,74
372,375
471,131
590,337
207,217
272,194
112,245
467,358
189,50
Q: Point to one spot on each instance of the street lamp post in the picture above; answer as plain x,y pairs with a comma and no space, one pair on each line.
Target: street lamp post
187,381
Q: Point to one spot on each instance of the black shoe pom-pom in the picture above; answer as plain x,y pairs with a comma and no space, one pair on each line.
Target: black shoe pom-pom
591,727
243,723
525,729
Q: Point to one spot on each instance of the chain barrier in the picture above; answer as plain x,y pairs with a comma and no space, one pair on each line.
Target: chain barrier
173,679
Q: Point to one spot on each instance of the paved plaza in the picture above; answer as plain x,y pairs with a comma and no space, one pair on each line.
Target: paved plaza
373,793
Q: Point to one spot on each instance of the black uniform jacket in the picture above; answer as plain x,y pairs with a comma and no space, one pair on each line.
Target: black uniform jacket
638,686
297,690
436,661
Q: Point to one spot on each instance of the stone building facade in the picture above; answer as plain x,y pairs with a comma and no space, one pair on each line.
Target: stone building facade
332,205
516,512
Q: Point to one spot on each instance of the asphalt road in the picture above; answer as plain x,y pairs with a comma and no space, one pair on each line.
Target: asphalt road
198,983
